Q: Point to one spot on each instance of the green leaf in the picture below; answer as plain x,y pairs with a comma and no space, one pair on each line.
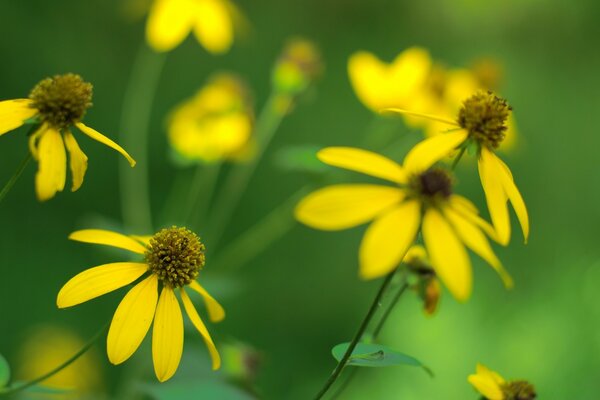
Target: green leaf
376,355
4,372
301,158
213,389
42,389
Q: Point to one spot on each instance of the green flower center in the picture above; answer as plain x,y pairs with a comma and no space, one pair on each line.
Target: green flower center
518,390
435,183
484,116
176,256
62,100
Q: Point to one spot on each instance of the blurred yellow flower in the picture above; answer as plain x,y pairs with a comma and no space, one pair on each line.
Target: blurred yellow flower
215,124
171,21
427,285
172,257
49,346
297,68
422,197
493,387
55,104
481,122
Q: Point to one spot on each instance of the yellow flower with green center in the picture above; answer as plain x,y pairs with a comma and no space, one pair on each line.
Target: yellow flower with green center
422,198
493,387
171,21
481,123
216,123
173,258
56,104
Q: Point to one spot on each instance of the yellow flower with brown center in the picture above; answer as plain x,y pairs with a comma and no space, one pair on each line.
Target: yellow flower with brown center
422,199
173,259
55,104
171,21
215,124
493,387
481,123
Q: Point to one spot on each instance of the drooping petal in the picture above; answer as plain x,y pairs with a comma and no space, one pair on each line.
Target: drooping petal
468,210
144,239
169,23
97,136
345,206
387,240
432,150
474,239
216,312
213,25
52,169
97,281
132,320
13,114
363,161
487,383
167,335
78,161
485,371
197,321
447,254
495,196
108,238
33,140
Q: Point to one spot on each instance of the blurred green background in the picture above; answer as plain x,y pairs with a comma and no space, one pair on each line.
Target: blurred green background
302,296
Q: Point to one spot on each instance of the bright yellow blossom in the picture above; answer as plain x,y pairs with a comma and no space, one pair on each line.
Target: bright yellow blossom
55,104
171,21
173,258
493,387
215,124
481,122
422,198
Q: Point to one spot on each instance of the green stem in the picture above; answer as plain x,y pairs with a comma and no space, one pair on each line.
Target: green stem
24,385
135,120
361,330
458,157
13,179
239,176
202,190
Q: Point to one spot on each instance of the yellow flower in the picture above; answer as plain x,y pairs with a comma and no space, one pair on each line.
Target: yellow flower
427,285
55,104
171,21
421,197
215,124
493,387
297,67
481,122
173,257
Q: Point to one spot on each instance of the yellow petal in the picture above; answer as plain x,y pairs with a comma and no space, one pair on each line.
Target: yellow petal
432,150
474,239
363,161
52,169
167,335
430,117
447,254
13,114
495,195
468,210
97,281
169,23
486,387
78,161
197,321
514,196
108,238
387,240
132,320
213,25
216,312
144,239
345,206
33,141
94,134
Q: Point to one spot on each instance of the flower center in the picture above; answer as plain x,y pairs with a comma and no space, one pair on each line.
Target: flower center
62,100
484,116
518,390
175,255
432,184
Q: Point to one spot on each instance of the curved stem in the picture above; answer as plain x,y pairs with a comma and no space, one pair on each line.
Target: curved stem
24,385
135,120
458,157
361,330
13,179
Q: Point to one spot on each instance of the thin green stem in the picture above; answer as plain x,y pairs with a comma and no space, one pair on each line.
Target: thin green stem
13,179
24,385
458,157
361,330
201,192
135,121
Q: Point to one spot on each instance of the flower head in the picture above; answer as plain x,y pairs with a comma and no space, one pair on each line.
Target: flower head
55,105
422,198
427,284
173,258
297,68
493,387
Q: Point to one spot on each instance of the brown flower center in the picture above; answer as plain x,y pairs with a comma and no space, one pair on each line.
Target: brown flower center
484,116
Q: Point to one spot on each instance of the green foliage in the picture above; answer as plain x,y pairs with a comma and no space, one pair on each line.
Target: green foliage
4,372
300,158
195,390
